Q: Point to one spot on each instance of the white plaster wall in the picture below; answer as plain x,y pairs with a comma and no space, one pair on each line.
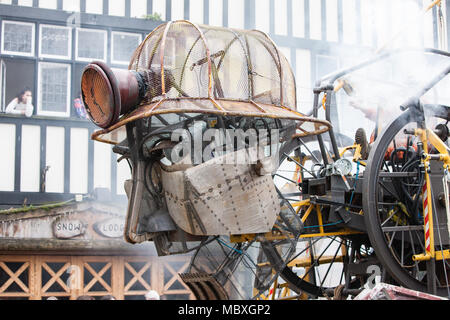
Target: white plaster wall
7,160
79,139
31,157
54,181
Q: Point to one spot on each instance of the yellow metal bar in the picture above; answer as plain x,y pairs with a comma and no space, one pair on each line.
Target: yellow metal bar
319,218
439,145
306,215
433,4
330,234
236,238
306,261
301,203
274,288
439,255
344,150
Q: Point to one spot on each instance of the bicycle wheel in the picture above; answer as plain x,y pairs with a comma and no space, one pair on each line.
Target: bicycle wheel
309,254
393,205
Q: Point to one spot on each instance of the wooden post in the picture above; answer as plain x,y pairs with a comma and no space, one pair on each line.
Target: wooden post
117,281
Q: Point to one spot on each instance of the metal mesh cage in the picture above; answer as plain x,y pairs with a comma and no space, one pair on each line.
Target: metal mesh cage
205,69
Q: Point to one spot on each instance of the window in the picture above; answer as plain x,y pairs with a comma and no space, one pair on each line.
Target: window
315,20
91,48
54,89
236,14
138,8
381,22
26,3
216,13
332,20
177,12
48,4
71,5
428,28
286,52
159,7
94,6
196,11
55,42
18,38
367,23
123,46
117,8
304,80
18,75
349,21
280,17
298,18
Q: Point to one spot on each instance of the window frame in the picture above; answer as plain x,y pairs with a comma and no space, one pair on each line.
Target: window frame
105,45
33,39
113,33
39,110
51,56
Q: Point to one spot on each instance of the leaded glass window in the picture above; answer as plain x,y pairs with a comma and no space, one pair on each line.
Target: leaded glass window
91,45
18,38
124,44
55,41
54,89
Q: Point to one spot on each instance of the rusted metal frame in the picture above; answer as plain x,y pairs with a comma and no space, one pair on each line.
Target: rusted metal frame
208,55
245,48
258,106
250,71
280,69
161,57
145,42
277,63
217,112
187,57
218,90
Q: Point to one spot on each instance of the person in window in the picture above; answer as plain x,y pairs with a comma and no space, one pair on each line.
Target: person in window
79,107
21,104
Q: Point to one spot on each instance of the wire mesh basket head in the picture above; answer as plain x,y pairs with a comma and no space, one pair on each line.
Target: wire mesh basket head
187,68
